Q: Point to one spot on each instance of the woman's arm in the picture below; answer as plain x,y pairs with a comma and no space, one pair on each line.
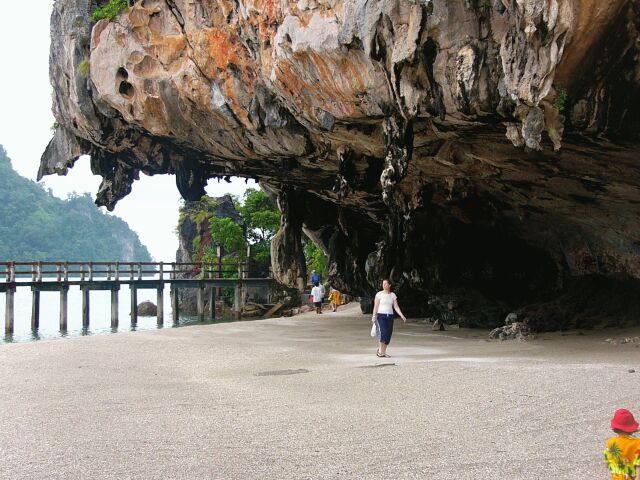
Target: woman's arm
397,309
376,304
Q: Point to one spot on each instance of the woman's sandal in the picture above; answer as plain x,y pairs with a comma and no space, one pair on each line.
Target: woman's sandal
381,355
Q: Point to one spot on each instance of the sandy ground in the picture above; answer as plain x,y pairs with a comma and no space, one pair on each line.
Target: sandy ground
306,398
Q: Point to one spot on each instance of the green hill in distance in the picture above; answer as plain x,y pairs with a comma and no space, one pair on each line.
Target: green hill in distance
37,226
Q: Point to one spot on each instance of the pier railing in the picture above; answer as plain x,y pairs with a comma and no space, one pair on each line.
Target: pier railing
90,276
28,272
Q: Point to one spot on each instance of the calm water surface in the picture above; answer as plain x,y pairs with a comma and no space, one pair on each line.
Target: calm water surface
100,315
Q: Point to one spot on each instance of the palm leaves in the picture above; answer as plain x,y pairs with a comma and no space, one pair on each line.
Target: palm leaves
615,451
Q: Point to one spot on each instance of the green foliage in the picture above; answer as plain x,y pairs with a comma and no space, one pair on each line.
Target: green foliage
195,248
109,11
54,126
197,210
228,234
35,225
260,216
262,221
561,98
84,67
316,259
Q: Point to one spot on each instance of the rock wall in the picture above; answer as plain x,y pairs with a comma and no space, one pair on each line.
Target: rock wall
480,153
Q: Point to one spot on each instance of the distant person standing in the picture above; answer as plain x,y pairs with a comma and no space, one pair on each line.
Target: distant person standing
315,278
334,299
385,303
317,292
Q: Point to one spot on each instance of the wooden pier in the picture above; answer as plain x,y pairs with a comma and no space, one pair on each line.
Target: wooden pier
207,278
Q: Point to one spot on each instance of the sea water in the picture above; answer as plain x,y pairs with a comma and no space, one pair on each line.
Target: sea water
99,314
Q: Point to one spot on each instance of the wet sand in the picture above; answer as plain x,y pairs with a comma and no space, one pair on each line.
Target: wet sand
306,398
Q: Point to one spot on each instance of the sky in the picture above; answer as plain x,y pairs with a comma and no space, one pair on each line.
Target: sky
151,209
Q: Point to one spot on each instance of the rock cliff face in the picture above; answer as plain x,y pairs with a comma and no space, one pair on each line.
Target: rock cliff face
483,154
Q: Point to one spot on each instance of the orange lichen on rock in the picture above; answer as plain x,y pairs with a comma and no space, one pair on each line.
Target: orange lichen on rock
334,83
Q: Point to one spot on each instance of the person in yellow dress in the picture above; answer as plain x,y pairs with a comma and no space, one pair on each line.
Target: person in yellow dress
622,452
334,299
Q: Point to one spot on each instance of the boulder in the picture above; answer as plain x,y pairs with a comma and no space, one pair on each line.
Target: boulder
147,309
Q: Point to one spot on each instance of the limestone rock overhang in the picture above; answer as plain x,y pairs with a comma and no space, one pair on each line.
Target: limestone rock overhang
484,155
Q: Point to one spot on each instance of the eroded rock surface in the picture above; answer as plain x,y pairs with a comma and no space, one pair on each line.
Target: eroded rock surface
477,152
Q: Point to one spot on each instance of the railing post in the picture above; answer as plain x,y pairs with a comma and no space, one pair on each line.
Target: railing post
39,267
91,271
109,271
117,271
66,271
58,272
161,271
11,274
34,273
139,271
173,271
82,272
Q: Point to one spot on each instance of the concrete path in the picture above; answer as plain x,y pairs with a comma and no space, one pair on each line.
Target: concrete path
306,398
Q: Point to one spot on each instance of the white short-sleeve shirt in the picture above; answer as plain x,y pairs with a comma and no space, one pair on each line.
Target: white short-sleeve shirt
317,294
386,302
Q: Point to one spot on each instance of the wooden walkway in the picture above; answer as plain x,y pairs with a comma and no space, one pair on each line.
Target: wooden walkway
207,278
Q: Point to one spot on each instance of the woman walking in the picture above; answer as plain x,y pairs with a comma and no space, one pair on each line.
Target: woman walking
385,303
334,299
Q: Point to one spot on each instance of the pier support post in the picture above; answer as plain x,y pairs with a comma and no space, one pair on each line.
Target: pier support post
64,295
201,303
114,307
9,312
86,307
237,299
161,304
134,305
35,310
212,302
175,310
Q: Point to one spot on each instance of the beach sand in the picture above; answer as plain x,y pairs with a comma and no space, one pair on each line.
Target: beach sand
306,398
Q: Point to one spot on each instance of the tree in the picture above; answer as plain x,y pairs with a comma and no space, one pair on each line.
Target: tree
228,234
260,215
35,225
316,259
